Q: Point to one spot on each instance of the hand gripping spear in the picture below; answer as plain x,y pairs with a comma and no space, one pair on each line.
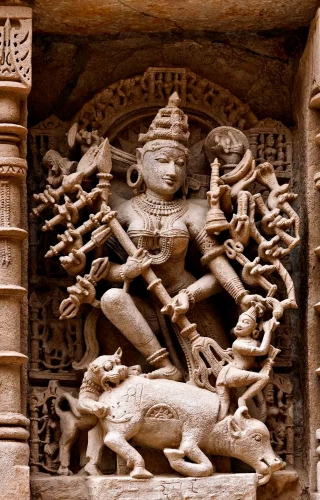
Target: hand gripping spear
202,348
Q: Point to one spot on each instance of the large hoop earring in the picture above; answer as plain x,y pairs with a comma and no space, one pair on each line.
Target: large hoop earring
135,185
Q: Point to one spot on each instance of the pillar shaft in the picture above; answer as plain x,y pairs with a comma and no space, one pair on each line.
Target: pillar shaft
15,84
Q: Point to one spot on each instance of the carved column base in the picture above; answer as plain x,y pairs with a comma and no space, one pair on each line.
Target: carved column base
14,468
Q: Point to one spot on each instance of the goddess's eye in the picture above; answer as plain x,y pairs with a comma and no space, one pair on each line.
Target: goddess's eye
162,160
180,162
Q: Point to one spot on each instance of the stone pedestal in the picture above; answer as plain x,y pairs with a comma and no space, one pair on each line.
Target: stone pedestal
216,487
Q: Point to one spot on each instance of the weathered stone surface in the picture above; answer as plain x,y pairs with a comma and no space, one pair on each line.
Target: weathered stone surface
284,485
14,468
216,487
258,69
44,487
100,16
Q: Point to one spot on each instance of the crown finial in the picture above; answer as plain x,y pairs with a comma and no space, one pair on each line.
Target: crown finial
170,124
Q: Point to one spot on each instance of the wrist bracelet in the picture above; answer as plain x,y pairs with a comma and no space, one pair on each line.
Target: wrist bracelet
191,298
122,275
90,279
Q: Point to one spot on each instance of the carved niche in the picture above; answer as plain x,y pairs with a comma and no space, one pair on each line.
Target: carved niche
62,349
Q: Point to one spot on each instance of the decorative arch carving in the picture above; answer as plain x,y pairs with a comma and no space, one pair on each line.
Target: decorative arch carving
125,108
141,95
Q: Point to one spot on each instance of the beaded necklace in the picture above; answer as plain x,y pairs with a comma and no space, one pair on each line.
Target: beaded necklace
151,211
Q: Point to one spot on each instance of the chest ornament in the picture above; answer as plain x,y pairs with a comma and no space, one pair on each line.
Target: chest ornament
158,233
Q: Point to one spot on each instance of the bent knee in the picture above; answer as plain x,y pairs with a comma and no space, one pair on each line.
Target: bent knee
113,298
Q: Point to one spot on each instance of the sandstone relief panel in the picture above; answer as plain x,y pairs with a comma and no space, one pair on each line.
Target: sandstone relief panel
160,286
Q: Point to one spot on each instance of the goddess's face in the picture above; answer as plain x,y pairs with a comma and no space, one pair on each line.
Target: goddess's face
164,170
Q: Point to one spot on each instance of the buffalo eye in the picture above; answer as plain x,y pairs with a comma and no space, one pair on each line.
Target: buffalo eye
107,366
257,437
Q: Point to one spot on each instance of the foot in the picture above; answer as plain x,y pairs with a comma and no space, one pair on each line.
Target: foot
92,470
140,473
168,372
64,471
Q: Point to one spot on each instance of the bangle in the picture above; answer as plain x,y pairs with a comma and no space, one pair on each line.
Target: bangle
235,288
122,275
191,298
90,279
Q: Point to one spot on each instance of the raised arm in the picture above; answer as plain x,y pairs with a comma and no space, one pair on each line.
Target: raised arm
213,254
249,350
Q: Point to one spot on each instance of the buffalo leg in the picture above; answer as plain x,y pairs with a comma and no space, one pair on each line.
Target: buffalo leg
202,466
116,442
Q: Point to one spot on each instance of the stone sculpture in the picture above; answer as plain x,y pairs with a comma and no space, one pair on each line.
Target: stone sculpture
161,414
54,343
151,234
237,373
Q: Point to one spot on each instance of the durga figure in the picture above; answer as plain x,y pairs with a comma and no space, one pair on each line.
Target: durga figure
160,224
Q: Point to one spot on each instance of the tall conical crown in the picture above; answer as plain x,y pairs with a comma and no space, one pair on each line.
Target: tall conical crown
252,313
255,311
170,124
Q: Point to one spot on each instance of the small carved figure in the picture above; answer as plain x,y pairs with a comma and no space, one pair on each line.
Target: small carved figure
280,435
168,85
244,350
45,428
269,150
51,431
57,167
55,343
277,409
196,88
159,86
266,150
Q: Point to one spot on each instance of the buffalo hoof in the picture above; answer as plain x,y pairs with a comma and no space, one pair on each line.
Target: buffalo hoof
91,470
64,471
173,454
140,473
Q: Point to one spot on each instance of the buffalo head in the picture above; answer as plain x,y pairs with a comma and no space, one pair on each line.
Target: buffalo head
250,442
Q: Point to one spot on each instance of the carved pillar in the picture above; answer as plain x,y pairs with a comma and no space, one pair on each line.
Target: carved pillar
308,158
15,83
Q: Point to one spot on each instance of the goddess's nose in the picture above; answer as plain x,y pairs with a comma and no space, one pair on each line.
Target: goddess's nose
171,168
